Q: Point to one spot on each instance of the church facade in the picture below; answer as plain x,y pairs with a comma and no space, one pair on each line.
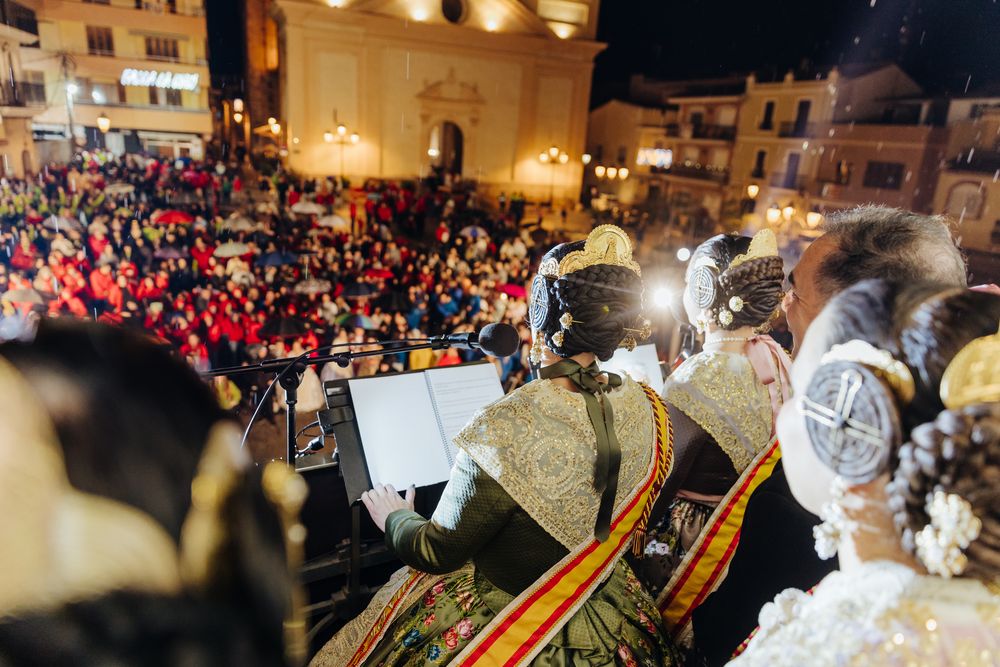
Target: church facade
479,90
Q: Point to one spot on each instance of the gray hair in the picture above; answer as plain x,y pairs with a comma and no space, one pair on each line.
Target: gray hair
892,244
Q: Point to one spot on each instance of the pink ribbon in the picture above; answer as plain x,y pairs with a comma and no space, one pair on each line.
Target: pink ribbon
773,368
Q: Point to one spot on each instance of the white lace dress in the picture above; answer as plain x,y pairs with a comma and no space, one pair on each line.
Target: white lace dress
881,614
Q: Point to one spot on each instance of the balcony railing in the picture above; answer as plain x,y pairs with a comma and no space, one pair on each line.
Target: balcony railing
705,172
22,94
796,129
690,131
981,161
787,181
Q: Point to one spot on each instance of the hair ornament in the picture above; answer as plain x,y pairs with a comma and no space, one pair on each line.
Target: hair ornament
629,342
607,244
763,244
736,304
703,282
566,321
973,376
644,331
725,317
894,372
558,338
952,528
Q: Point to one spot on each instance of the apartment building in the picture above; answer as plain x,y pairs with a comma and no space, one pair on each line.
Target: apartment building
838,139
128,75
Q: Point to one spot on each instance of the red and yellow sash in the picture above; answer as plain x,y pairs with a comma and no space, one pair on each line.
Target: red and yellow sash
526,625
704,564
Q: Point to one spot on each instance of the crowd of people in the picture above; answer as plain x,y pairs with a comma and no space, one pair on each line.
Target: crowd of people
835,504
232,273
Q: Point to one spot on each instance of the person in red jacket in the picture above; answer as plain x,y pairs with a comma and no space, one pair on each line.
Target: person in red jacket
101,280
201,252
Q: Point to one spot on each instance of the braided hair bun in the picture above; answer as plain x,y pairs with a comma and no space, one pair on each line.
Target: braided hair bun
757,283
600,303
959,453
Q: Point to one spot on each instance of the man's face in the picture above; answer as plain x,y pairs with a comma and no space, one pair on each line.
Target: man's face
805,299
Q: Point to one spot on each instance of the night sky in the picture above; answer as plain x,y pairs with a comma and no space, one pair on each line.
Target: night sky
942,43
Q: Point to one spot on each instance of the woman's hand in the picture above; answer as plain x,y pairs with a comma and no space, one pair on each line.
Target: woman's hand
384,500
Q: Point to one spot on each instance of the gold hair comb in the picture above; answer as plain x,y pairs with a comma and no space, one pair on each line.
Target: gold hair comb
763,244
973,376
607,244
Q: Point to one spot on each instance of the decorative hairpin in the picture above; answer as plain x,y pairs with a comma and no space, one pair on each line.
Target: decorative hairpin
952,528
566,320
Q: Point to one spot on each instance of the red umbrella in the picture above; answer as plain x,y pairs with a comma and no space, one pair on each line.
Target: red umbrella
172,217
512,290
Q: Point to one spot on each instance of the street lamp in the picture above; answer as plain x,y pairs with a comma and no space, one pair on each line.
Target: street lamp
586,158
103,123
599,170
341,137
753,190
773,215
238,117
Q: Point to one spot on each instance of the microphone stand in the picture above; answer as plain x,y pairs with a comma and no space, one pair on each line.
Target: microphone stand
288,373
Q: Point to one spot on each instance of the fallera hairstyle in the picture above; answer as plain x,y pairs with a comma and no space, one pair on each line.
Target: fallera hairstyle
955,451
758,282
132,422
891,244
605,299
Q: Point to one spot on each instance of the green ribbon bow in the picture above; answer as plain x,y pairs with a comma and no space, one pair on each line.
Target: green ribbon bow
609,452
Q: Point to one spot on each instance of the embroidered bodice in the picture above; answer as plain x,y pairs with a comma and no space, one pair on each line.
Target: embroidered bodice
881,614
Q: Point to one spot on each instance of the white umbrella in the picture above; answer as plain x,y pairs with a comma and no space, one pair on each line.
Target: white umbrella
120,189
22,295
239,224
61,224
313,286
267,207
231,249
308,208
335,222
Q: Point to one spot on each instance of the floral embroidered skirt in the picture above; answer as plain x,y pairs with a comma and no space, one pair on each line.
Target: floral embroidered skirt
670,539
615,627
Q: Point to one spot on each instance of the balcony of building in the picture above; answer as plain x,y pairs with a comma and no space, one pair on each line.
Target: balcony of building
21,94
787,181
702,131
702,172
181,18
793,129
976,160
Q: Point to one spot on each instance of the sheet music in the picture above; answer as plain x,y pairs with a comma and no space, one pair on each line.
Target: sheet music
641,364
459,392
399,430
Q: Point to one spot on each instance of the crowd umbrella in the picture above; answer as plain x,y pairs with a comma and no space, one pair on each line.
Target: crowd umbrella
23,295
473,232
278,258
62,224
358,290
335,222
172,217
267,207
120,189
512,290
232,249
313,286
308,208
356,321
282,327
239,223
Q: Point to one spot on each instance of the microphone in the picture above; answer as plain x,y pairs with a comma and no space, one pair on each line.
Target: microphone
496,339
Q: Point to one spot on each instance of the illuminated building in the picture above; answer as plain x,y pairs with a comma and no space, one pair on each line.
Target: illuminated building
459,88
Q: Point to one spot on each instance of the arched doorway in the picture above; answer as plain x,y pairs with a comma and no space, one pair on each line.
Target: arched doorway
446,148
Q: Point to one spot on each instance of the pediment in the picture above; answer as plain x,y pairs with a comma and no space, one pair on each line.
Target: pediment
450,89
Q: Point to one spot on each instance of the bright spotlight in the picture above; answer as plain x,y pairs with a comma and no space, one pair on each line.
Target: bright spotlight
683,254
661,297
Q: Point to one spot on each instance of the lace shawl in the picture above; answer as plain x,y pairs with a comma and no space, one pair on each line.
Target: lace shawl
721,393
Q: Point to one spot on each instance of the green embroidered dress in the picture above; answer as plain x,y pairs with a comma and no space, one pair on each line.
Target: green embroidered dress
520,497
